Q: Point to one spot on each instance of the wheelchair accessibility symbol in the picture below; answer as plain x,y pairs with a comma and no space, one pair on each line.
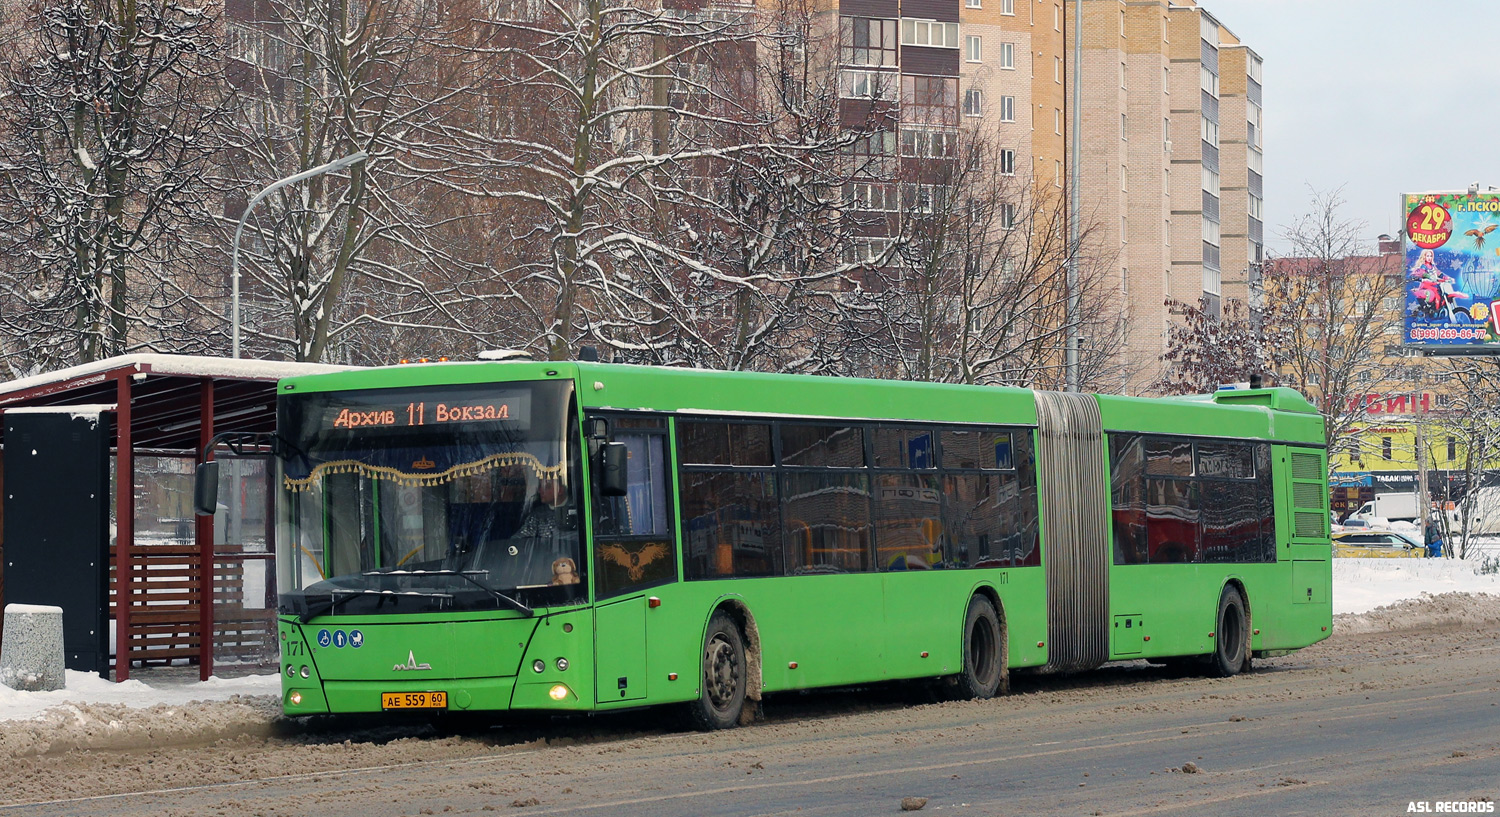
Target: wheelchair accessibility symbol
324,638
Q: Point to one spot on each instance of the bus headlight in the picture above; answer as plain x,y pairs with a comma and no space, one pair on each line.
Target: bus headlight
558,692
562,664
538,665
291,671
306,673
295,698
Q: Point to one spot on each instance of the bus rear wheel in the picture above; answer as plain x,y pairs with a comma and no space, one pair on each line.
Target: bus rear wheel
723,695
984,664
1231,640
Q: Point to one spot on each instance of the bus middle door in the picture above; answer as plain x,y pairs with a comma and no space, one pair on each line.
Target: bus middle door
633,550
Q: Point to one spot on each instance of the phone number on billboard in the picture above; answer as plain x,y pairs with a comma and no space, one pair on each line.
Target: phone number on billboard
1475,333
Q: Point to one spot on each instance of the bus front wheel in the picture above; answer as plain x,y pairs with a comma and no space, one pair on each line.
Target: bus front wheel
984,663
1231,641
723,695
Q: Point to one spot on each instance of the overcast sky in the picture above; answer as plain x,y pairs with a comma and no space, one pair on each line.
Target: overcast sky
1379,97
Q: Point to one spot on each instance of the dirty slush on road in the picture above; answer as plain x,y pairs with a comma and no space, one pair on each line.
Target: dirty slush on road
82,750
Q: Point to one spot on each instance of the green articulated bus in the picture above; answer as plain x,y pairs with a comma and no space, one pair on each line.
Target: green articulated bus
554,537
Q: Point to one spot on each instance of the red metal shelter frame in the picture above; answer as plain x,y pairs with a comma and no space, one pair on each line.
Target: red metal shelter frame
162,404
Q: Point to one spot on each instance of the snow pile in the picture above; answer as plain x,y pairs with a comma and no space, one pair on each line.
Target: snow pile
86,687
1475,611
1361,585
97,714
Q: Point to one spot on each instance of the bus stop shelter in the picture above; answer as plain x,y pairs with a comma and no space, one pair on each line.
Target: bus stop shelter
176,588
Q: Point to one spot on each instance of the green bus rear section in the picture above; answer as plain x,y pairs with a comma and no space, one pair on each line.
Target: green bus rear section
644,647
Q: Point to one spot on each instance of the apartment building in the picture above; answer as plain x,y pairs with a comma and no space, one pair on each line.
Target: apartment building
1170,188
1182,214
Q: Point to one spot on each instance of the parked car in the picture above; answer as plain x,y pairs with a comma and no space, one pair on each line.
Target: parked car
1377,543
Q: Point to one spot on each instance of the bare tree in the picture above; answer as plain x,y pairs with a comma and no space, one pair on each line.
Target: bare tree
1324,320
110,112
613,206
346,266
1469,423
979,292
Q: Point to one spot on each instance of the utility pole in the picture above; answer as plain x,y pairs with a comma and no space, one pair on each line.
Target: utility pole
1071,375
1423,500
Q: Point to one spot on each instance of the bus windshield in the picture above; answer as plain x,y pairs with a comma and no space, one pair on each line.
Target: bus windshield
429,499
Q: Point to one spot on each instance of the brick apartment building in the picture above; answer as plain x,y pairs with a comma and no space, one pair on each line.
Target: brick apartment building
1184,212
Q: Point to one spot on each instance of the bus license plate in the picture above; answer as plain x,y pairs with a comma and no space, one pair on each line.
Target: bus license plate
413,700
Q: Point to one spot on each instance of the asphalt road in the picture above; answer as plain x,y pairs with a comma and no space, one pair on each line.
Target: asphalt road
1362,724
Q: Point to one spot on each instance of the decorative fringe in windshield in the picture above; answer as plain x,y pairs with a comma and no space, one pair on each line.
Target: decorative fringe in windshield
465,469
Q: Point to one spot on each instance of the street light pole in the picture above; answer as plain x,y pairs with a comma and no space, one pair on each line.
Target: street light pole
234,263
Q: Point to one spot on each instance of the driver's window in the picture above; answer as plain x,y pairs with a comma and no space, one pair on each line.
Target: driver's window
633,546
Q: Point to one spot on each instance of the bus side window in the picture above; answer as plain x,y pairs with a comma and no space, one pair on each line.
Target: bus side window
633,545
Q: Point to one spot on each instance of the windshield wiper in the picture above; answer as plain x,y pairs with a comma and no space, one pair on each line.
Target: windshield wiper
466,576
339,596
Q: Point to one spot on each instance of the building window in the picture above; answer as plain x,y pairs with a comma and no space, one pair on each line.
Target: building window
1452,449
1210,182
929,33
1057,121
1007,109
922,198
1385,447
1007,162
973,102
973,4
1008,56
1008,216
929,100
1008,7
1057,18
868,85
873,154
1124,127
1210,131
871,196
867,41
866,250
1057,70
930,144
1057,176
974,48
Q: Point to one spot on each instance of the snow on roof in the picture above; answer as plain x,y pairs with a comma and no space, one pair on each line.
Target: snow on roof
185,365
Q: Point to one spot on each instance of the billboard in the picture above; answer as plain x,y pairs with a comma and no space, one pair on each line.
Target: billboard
1452,268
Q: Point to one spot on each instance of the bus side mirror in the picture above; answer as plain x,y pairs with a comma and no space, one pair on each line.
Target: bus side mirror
206,489
612,457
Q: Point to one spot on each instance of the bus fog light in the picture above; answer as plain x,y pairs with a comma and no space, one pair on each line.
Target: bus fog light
557,693
296,698
538,665
562,664
291,671
306,673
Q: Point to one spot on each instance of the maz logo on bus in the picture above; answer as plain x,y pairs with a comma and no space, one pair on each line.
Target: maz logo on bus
411,663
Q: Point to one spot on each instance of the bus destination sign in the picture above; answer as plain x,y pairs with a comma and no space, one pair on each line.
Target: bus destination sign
511,408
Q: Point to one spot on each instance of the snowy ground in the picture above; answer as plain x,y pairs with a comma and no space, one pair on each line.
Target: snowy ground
174,707
1361,585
